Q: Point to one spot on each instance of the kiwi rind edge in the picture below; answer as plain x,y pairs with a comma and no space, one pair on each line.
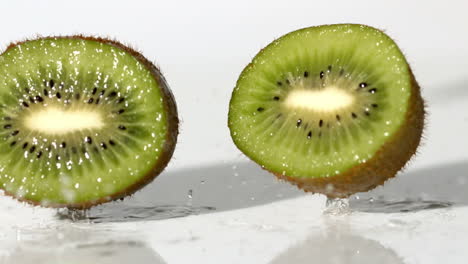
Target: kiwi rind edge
171,137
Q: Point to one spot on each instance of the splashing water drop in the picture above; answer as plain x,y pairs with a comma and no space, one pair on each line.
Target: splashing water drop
337,206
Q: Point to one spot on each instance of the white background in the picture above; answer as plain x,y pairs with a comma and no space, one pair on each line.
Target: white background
201,47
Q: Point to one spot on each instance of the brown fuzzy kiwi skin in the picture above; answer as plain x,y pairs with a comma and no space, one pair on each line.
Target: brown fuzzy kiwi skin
385,164
170,108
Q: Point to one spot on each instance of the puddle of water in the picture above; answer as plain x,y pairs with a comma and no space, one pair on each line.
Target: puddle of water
125,212
380,205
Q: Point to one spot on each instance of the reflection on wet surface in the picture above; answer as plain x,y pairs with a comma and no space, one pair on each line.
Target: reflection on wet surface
338,248
70,244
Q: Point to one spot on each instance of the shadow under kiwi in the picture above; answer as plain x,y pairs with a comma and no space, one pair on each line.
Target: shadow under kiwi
429,188
193,191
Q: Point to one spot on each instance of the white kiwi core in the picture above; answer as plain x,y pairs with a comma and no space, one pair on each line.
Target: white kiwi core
324,100
57,121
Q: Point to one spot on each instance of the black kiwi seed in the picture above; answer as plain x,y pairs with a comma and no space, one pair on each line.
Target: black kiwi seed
353,115
26,90
276,98
77,96
112,142
14,133
7,118
25,104
322,74
121,99
31,99
32,149
7,126
341,72
279,83
299,122
58,95
13,143
288,82
306,74
94,91
90,101
101,94
63,145
112,94
373,90
338,117
46,93
121,111
374,105
88,140
320,123
103,145
309,135
25,145
39,154
260,109
122,127
51,83
362,85
367,113
97,100
39,99
329,68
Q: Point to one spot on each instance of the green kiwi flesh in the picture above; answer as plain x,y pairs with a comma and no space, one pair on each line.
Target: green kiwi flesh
334,109
83,121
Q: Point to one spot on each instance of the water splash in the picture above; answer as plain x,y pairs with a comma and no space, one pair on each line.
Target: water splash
337,206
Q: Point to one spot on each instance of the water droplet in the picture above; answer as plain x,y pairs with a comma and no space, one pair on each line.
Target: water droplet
190,194
337,206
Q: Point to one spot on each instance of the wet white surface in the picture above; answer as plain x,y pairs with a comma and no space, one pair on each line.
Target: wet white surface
238,213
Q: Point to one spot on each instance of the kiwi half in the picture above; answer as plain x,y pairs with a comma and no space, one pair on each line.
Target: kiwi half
83,121
334,109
